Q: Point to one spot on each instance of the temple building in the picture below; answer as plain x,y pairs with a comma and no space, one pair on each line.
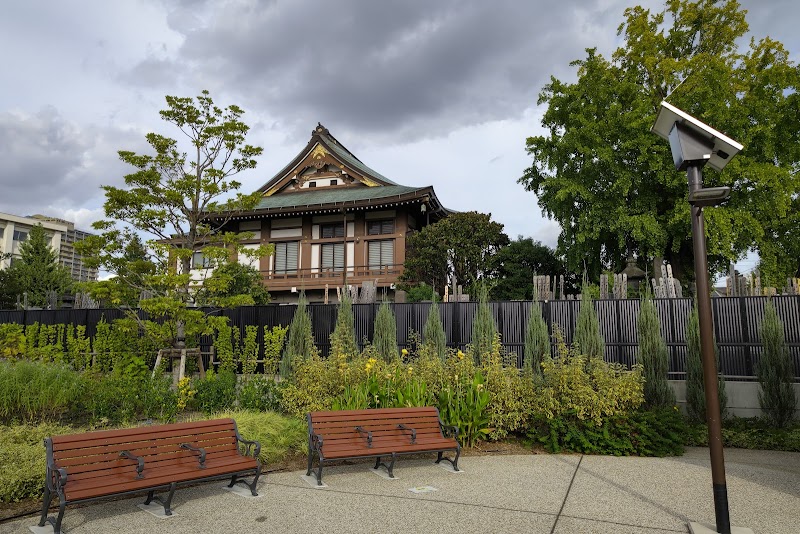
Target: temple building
334,222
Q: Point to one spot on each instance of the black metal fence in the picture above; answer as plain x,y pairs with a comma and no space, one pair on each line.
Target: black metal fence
737,324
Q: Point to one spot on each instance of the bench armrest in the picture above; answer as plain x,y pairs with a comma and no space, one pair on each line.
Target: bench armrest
138,459
409,429
248,443
450,431
56,477
315,441
199,450
361,430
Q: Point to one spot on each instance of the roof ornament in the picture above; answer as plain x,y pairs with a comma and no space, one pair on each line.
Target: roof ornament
320,129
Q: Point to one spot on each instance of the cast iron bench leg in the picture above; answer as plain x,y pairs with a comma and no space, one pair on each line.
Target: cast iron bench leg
310,461
453,462
57,526
168,502
251,486
48,498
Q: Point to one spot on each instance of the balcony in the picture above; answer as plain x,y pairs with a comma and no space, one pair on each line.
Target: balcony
384,276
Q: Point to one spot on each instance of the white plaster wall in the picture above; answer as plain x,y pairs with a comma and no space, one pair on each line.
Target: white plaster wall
742,397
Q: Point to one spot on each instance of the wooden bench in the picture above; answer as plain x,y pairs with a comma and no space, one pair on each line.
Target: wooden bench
387,432
94,465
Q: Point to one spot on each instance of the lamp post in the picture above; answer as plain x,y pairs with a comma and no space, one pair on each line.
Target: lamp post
694,145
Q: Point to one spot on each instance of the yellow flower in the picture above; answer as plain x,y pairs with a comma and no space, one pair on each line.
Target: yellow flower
460,355
410,370
388,375
368,366
404,352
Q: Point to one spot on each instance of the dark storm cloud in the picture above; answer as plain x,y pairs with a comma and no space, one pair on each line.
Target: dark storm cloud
49,161
375,67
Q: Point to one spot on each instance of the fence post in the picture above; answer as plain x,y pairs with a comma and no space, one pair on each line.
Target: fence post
748,358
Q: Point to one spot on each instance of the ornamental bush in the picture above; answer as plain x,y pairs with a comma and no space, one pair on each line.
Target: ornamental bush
435,339
343,338
300,344
587,339
775,372
695,389
483,327
537,341
385,338
654,357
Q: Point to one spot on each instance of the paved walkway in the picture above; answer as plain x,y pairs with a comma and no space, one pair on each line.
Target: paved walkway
532,494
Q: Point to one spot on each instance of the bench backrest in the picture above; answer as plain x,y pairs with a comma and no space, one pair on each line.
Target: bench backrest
98,453
340,424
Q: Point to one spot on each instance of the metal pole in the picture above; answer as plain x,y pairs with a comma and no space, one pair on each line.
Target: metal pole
695,177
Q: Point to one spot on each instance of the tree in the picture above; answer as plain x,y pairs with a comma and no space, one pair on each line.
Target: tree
654,357
385,338
37,271
133,268
300,344
775,372
9,289
484,328
587,328
433,335
460,247
537,340
612,185
517,263
343,338
695,387
228,282
182,200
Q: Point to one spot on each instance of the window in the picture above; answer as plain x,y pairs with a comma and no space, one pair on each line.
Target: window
380,227
332,256
199,261
334,182
332,230
20,236
2,231
312,184
286,257
381,253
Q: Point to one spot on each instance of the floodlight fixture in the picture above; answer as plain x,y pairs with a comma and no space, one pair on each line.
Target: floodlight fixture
694,139
709,196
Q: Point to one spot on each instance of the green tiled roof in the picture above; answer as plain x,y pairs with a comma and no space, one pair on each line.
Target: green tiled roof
337,195
348,158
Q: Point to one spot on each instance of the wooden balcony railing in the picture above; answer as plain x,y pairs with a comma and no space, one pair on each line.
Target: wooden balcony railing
319,277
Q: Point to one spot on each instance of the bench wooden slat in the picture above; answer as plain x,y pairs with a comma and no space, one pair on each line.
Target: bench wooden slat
105,441
100,454
151,462
185,428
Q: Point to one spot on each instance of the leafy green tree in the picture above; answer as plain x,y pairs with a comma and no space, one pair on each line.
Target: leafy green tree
517,263
343,338
228,282
484,328
9,289
300,344
612,185
37,271
537,340
183,199
461,246
654,357
587,329
775,372
433,334
695,388
385,338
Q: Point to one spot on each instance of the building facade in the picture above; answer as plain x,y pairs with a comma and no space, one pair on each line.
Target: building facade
62,234
333,222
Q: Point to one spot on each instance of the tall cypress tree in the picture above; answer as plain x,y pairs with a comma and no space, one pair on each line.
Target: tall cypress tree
537,340
433,334
775,372
483,327
695,388
654,357
587,330
300,343
343,338
385,338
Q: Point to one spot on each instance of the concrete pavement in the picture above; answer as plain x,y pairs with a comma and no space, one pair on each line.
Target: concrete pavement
533,494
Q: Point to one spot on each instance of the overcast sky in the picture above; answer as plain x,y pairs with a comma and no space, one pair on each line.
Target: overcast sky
427,92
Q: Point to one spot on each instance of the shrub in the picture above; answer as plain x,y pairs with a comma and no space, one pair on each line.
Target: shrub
654,357
751,433
23,459
260,393
12,341
483,327
587,338
300,345
660,432
35,391
249,350
434,336
385,338
343,338
279,436
273,344
464,405
577,388
224,347
216,392
695,389
119,399
775,372
537,340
